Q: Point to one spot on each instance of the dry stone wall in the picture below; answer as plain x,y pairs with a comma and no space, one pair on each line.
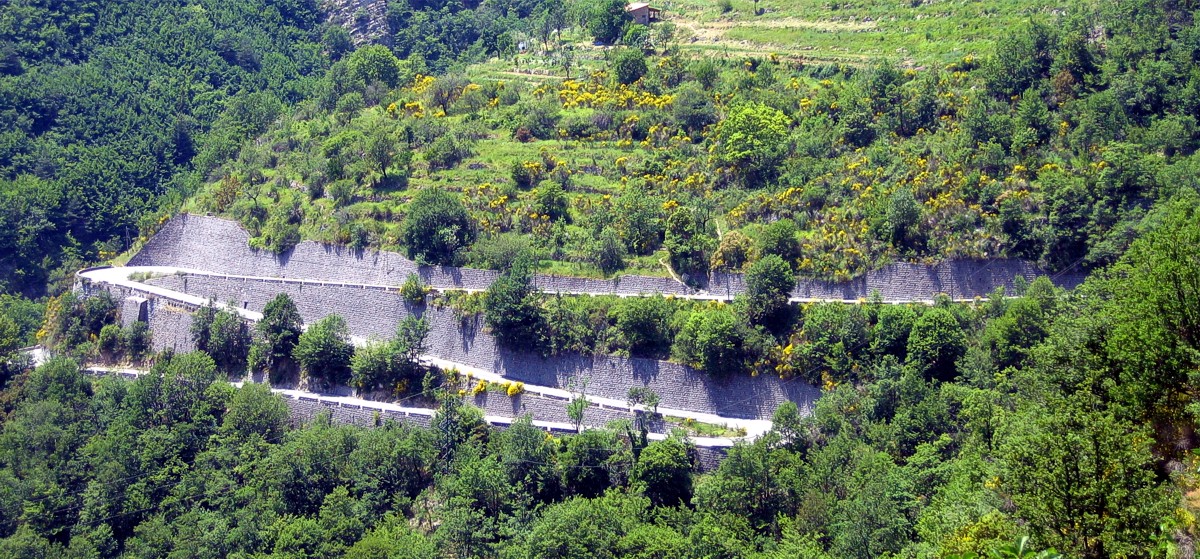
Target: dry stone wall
222,246
375,312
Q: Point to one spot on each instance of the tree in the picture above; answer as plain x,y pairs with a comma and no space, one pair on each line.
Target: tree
936,342
644,324
607,19
608,252
576,409
753,139
693,109
629,65
688,246
1082,479
255,411
663,472
437,227
769,283
276,335
201,326
713,341
733,252
779,238
229,341
512,309
374,63
324,350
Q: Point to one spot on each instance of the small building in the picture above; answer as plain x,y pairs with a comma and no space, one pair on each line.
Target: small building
642,13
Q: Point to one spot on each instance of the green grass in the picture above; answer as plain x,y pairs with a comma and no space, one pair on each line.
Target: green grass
848,31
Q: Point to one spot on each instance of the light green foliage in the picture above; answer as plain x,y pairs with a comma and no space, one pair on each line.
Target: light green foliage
733,252
374,63
936,342
779,238
413,290
712,340
577,409
752,137
393,365
324,350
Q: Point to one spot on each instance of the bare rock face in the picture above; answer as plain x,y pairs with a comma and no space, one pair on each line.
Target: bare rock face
366,20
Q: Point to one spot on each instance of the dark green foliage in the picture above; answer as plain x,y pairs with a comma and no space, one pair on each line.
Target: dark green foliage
606,20
1082,478
688,244
275,336
324,350
629,65
769,283
79,168
228,341
608,252
512,310
644,324
437,227
663,472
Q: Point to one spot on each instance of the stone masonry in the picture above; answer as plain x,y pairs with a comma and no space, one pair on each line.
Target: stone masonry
222,246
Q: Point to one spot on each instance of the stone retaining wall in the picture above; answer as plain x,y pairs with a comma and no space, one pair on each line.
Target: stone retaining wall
222,246
375,312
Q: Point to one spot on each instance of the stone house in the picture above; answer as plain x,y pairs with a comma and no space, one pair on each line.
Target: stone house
642,13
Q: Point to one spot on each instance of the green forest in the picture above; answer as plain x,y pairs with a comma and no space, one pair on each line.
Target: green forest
557,136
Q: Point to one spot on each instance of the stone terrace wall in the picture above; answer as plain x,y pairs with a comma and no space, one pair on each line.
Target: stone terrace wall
375,312
222,246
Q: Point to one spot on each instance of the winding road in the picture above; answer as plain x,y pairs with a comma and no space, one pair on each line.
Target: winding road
120,276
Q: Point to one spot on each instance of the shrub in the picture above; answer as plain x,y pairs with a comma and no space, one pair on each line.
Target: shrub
413,290
644,324
109,342
607,252
716,342
733,252
630,65
447,151
511,308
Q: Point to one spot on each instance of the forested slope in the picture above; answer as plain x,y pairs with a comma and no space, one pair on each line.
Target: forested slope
104,105
1062,420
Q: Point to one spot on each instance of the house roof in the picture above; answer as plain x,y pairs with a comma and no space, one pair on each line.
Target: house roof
636,6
